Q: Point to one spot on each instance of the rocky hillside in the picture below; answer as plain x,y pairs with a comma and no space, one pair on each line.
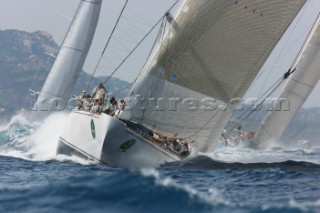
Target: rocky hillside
24,65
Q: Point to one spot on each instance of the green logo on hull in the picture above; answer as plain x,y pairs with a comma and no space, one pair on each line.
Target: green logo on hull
93,129
127,145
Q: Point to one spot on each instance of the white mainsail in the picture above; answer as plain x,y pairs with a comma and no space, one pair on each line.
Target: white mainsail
65,71
297,89
210,55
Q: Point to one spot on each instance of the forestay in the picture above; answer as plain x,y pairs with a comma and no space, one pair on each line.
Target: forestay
209,56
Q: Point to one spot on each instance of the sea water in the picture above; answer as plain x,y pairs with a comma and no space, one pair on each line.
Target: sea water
34,179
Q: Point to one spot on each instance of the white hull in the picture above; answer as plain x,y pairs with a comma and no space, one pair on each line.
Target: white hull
108,140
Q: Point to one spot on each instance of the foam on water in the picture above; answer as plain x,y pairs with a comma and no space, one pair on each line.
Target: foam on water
38,142
220,181
212,196
35,141
304,206
270,152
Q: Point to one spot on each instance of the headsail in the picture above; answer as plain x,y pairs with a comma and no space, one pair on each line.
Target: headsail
65,71
299,86
210,56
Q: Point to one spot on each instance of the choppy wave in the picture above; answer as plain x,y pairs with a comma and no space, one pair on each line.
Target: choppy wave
205,162
96,189
239,179
271,153
74,187
35,141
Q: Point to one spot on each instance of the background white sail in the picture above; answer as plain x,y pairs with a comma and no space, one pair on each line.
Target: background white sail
297,89
214,49
65,71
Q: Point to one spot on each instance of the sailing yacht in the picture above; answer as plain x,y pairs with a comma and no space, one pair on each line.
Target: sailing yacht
302,79
185,93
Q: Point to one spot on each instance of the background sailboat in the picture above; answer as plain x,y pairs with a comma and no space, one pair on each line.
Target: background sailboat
305,75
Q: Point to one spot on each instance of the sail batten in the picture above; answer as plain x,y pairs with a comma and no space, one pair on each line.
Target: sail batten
210,56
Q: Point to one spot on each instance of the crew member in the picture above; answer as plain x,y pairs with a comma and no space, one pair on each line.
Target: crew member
99,92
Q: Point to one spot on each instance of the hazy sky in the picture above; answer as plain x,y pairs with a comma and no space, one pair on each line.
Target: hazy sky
282,57
50,16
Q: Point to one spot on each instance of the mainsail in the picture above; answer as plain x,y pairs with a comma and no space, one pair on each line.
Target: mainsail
297,89
210,55
65,71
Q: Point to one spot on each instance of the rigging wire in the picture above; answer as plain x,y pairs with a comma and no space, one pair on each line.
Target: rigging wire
155,81
149,32
142,20
160,38
257,106
127,87
130,53
107,44
280,81
283,50
132,83
139,43
300,82
30,91
264,97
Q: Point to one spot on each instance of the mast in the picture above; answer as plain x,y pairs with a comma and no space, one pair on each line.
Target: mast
210,56
65,71
297,89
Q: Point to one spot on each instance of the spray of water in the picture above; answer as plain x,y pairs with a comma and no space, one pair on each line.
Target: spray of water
269,152
38,142
35,141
